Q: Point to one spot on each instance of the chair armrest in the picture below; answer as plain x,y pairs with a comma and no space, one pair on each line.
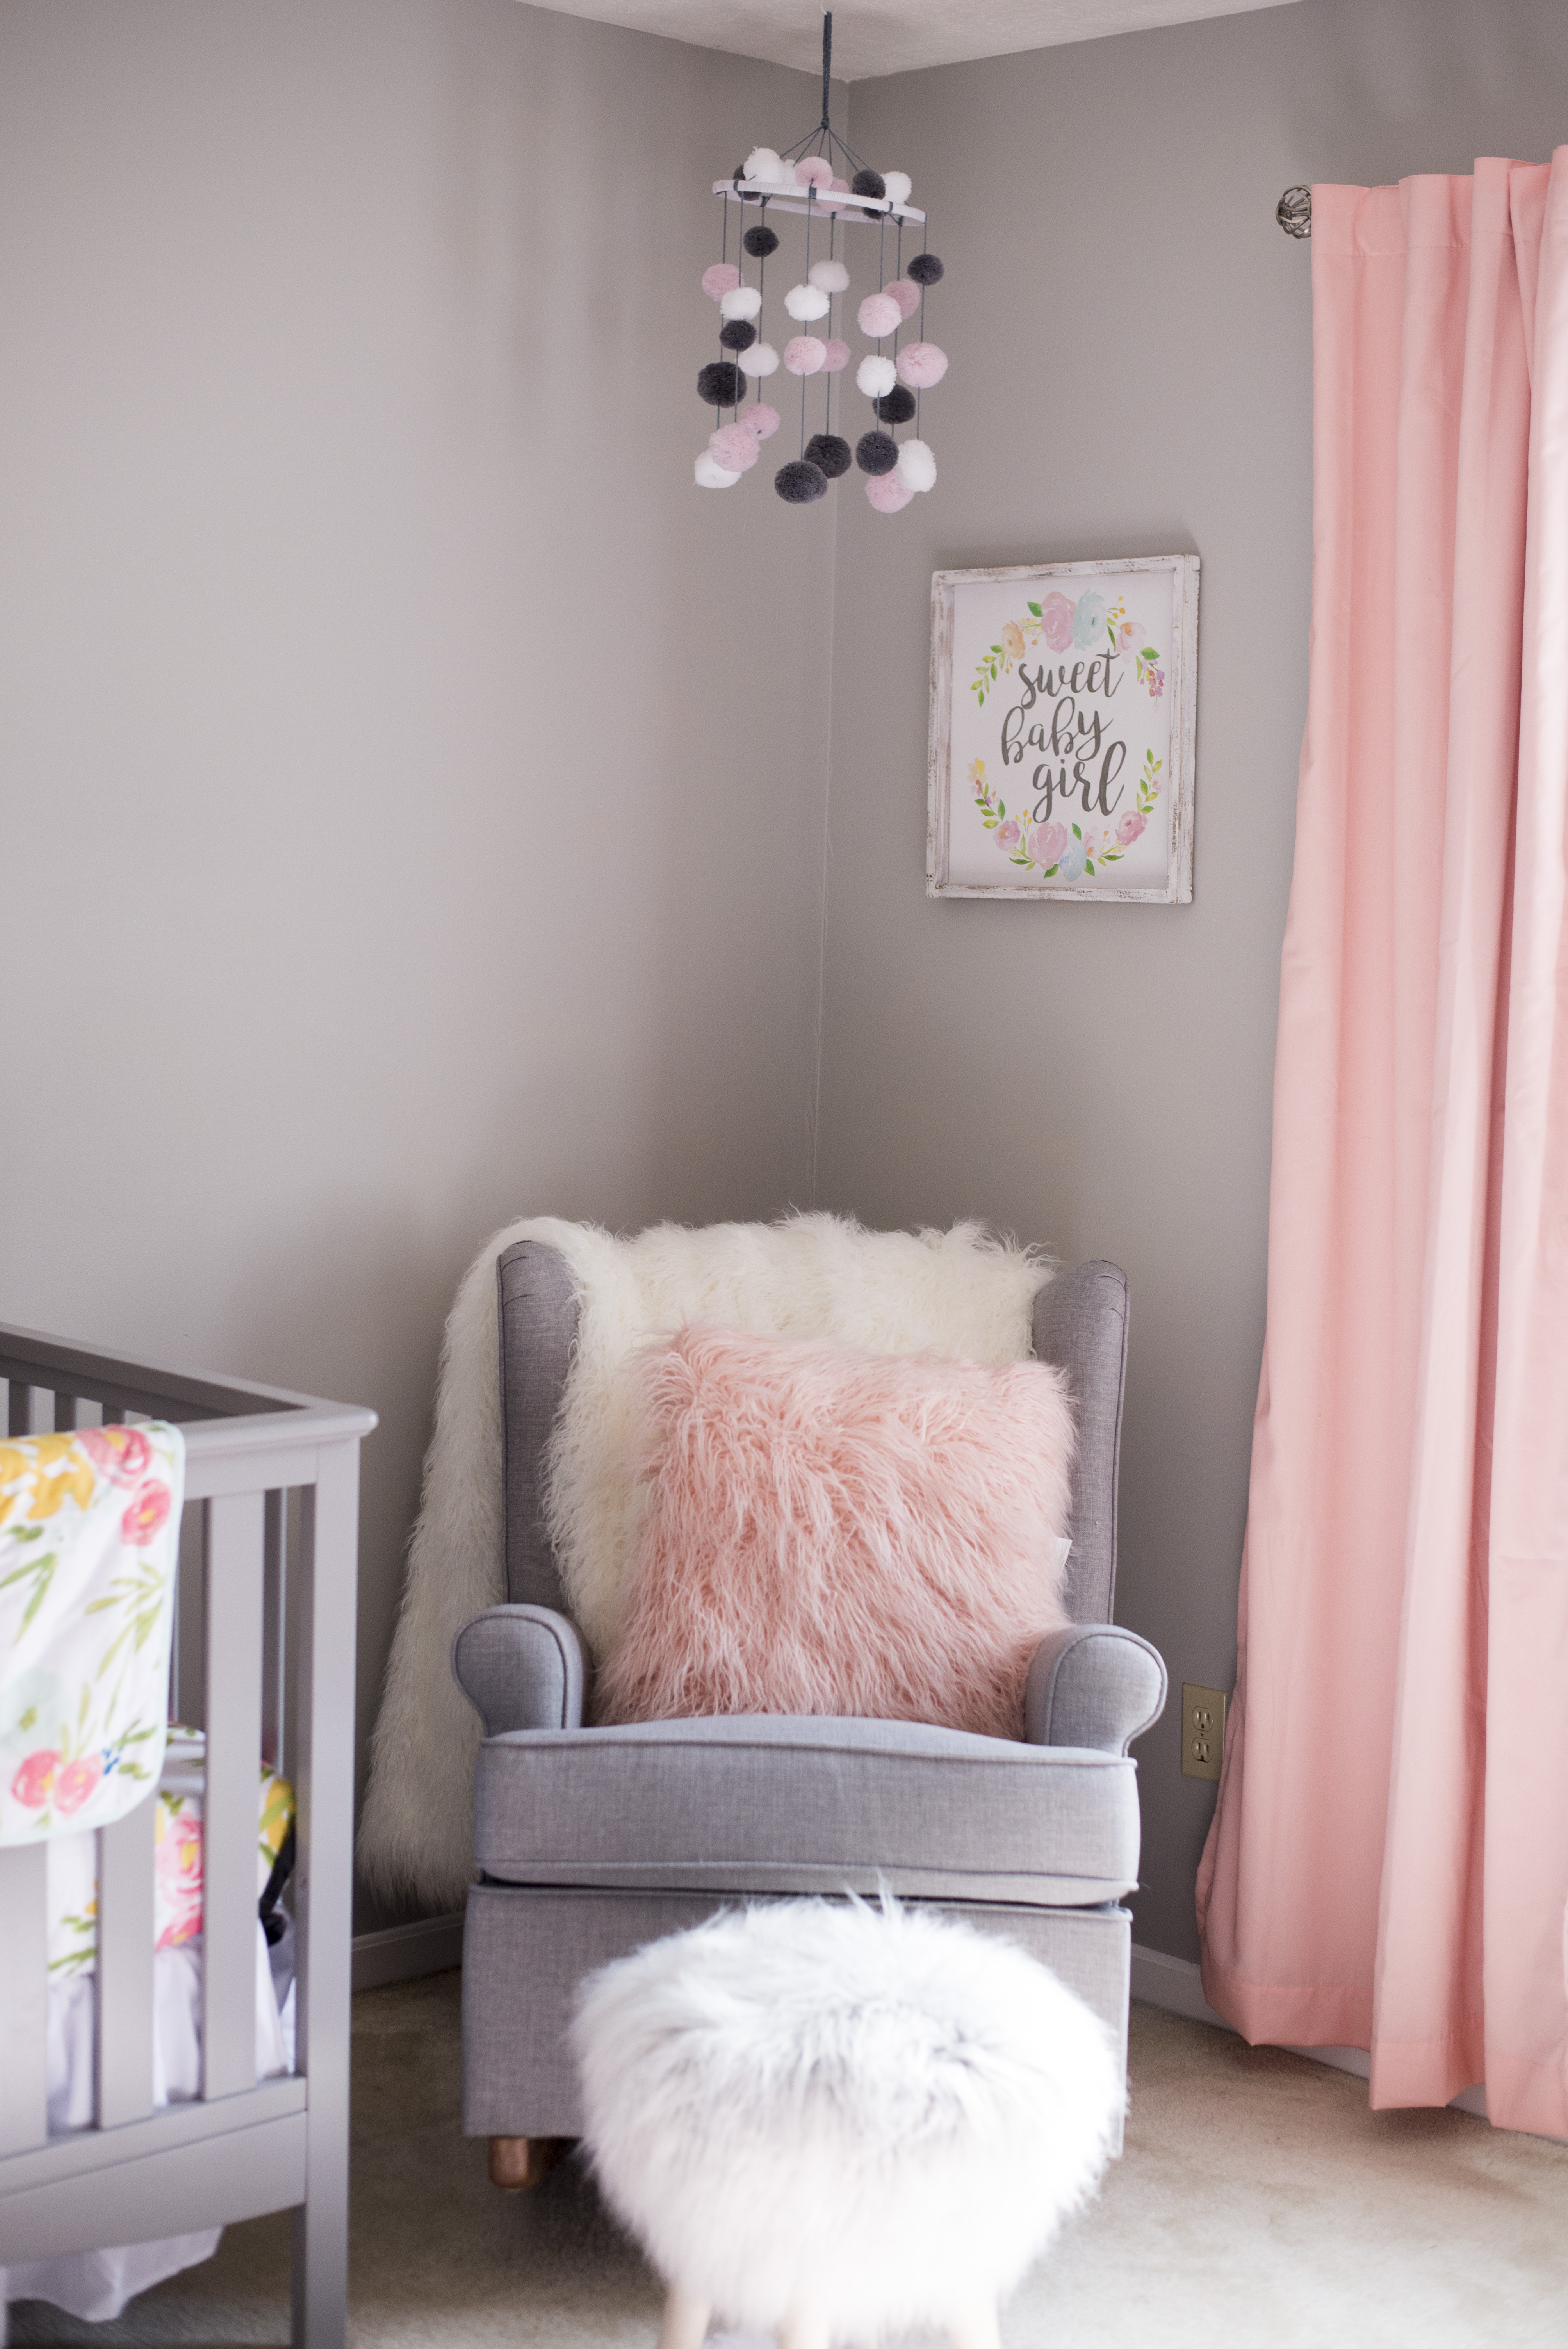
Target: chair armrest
521,1668
1093,1684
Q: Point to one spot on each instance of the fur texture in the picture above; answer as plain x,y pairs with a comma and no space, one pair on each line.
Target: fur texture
889,492
884,2117
920,365
959,1292
831,1531
917,464
709,474
807,301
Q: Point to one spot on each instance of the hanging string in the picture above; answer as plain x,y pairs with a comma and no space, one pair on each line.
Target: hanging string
726,257
761,278
899,328
810,199
828,383
927,233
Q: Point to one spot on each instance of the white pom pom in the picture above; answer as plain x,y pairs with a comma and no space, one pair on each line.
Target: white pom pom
710,475
830,276
805,301
763,163
898,185
740,302
760,360
874,375
916,465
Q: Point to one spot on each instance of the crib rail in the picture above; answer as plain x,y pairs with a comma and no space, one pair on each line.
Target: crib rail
272,1519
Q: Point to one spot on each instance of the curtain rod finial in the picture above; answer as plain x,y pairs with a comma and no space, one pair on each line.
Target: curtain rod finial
1294,211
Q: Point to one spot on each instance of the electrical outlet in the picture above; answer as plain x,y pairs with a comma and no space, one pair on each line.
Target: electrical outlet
1202,1730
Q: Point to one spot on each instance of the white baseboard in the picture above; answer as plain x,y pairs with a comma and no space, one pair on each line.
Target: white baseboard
1177,1985
399,1952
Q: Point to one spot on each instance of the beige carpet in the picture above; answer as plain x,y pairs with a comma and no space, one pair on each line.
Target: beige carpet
1258,2202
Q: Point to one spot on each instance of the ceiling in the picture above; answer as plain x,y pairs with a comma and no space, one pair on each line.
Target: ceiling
882,37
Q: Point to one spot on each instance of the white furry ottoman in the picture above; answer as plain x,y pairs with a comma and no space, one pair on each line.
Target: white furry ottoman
829,2121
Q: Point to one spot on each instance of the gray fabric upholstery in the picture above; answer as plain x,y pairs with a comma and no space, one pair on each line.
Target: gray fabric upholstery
522,1668
1080,1325
538,1328
1094,1685
773,1803
525,1951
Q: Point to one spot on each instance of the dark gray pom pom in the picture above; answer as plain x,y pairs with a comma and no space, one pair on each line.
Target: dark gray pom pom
739,334
868,183
828,453
761,242
876,452
719,383
925,269
895,406
798,482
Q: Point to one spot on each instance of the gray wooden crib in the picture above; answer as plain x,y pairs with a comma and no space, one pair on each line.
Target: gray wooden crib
265,1659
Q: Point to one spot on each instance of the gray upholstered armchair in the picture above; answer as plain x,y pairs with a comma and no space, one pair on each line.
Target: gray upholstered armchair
590,1842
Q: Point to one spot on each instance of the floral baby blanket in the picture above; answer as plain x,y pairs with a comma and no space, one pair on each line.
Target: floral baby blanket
89,1526
176,1862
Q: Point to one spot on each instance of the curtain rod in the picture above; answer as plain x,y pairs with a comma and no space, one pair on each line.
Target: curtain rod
1294,211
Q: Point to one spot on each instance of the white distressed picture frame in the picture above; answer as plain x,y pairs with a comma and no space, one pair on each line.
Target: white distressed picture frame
947,587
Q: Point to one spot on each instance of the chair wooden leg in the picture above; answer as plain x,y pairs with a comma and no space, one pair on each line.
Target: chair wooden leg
685,2322
977,2328
522,2162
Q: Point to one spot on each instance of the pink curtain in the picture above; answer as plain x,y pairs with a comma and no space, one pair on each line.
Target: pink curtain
1388,1867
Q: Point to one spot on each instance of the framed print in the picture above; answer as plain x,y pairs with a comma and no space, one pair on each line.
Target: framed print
1063,713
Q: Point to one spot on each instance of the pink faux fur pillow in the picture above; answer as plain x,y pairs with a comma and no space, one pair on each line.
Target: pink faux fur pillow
834,1532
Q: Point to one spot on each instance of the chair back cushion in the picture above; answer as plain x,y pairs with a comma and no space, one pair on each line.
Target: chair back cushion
1079,1324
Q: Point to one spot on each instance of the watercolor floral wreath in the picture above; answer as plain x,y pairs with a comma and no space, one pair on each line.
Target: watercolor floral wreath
1064,623
1060,852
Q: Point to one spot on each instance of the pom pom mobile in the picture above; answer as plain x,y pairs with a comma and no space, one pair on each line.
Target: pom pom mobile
823,181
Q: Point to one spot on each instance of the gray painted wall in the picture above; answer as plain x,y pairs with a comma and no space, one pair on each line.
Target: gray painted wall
412,815
1130,338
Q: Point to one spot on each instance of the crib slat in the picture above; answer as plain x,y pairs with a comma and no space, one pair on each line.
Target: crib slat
19,1408
230,1803
274,1639
65,1412
125,1966
23,1993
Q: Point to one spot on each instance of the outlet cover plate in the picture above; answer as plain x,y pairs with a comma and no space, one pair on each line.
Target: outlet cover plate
1202,1730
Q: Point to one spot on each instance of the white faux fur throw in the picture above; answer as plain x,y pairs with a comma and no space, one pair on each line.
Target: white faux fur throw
961,1292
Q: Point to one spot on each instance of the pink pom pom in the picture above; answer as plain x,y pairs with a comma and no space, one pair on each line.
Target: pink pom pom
761,418
837,356
880,315
905,294
841,187
889,492
734,446
804,354
721,279
922,365
814,172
